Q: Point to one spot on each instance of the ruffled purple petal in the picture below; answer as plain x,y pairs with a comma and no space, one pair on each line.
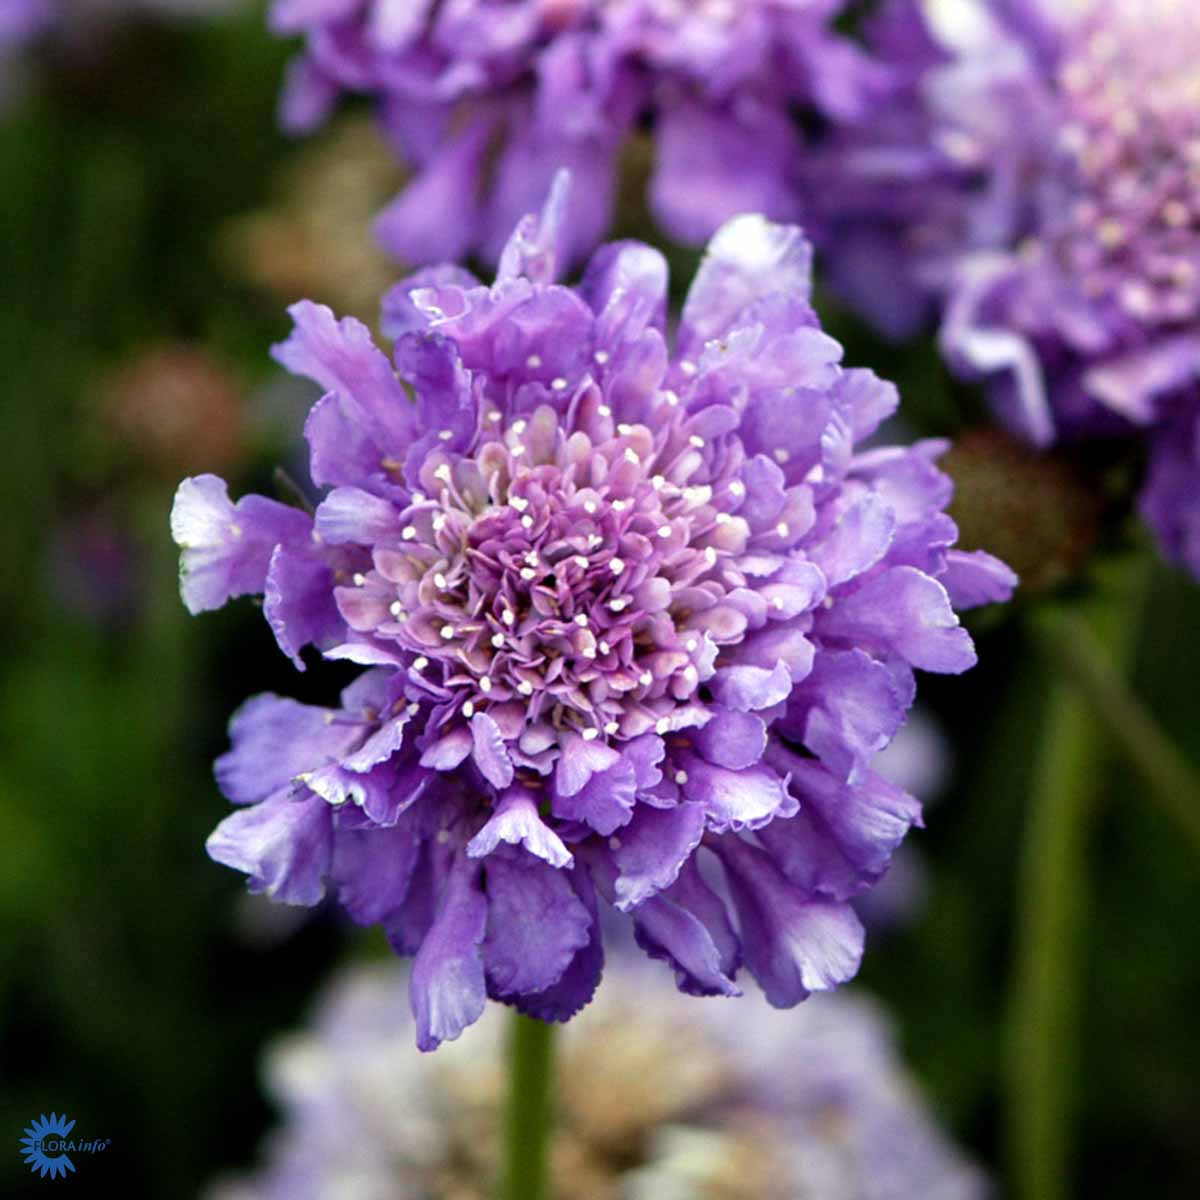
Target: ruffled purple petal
283,844
447,987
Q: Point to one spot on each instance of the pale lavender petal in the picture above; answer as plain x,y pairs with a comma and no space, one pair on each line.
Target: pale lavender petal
284,845
536,924
447,986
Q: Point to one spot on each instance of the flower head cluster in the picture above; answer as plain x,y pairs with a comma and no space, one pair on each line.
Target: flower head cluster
745,1107
1041,183
619,604
485,99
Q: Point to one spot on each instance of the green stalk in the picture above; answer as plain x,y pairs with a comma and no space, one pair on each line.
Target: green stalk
1068,776
1171,778
528,1119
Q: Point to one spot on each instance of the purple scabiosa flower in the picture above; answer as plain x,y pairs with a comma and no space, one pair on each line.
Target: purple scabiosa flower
749,1105
1039,183
486,99
620,604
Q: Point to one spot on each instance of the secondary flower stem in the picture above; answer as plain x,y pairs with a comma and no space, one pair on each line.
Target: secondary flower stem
527,1124
1067,776
1171,778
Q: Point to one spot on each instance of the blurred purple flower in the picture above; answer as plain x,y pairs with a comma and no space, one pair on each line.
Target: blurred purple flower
750,1104
618,603
486,99
1038,181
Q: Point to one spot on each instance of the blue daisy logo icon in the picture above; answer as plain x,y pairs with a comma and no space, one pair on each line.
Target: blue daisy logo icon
42,1145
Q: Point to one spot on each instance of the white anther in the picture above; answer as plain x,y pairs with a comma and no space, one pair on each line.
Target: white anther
447,632
631,457
527,522
588,652
581,562
443,836
517,450
439,581
737,488
419,497
696,440
581,620
645,679
710,556
624,429
664,531
689,673
698,495
827,602
498,640
528,573
519,427
419,664
359,579
412,709
589,506
681,777
439,523
777,602
396,608
559,384
594,540
687,367
508,616
605,648
534,361
408,532
590,735
603,410
485,684
495,417
612,728
616,565
601,356
518,502
445,434
722,518
468,709
658,482
442,473
531,557
619,604
781,456
782,529
662,725
671,398
620,505
691,645
525,687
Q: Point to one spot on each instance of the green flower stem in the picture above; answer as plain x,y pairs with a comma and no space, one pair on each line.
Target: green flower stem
1171,778
1069,772
527,1124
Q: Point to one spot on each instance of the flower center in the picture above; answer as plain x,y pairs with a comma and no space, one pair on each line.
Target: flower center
1130,84
575,567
